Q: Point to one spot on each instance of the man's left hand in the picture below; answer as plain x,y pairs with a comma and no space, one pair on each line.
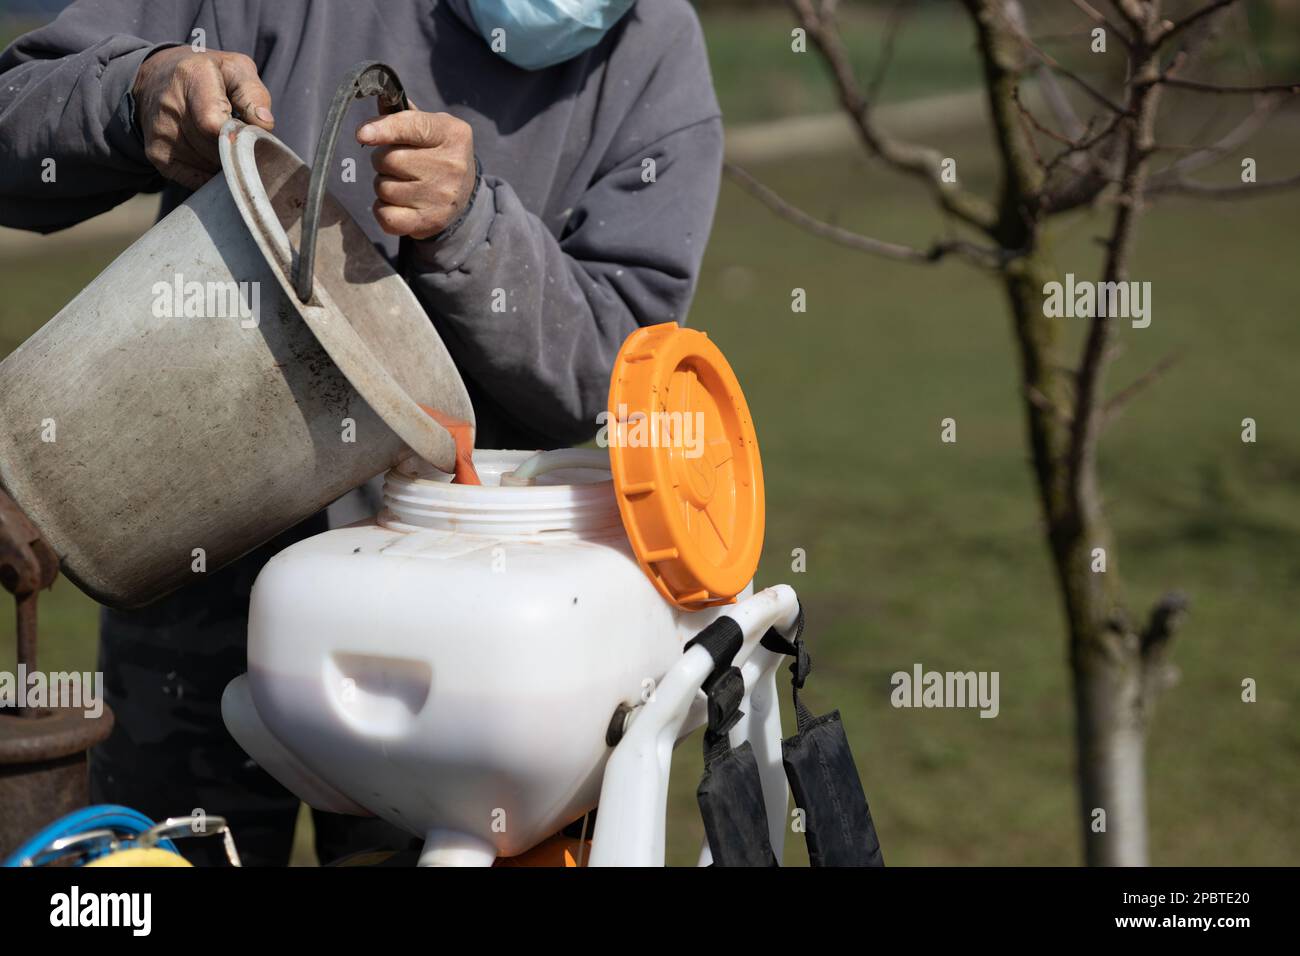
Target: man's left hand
424,168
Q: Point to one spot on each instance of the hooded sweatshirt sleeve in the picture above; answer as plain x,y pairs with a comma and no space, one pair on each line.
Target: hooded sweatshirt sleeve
535,320
67,148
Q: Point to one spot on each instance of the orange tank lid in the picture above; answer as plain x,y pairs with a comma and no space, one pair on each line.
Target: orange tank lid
684,456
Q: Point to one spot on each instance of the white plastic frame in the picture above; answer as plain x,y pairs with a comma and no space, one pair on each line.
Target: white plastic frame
630,826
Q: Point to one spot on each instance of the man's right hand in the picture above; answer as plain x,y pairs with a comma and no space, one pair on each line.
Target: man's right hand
182,99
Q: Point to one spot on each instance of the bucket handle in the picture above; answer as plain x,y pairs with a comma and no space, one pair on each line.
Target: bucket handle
368,78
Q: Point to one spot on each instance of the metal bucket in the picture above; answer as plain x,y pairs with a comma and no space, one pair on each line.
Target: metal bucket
187,407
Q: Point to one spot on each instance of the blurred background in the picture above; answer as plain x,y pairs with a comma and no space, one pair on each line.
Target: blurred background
919,551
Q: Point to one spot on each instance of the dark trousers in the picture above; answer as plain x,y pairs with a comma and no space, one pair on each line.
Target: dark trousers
165,667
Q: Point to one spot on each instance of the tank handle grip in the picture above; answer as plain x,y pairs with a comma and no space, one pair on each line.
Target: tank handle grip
368,78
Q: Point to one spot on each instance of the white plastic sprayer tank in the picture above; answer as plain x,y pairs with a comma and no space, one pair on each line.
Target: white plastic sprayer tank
453,667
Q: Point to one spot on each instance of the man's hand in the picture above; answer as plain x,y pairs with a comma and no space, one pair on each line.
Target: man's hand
424,169
182,99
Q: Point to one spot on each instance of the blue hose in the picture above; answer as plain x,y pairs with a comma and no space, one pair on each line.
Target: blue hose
125,822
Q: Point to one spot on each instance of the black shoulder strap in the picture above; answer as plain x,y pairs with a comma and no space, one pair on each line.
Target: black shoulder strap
800,667
822,774
730,793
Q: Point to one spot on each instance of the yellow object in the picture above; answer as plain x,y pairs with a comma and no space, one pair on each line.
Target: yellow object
687,474
141,856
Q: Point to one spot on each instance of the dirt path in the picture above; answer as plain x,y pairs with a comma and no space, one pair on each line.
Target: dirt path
832,132
125,222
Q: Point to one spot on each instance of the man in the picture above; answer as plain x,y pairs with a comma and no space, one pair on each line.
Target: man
599,141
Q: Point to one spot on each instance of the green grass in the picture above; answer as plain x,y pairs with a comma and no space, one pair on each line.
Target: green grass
758,75
924,552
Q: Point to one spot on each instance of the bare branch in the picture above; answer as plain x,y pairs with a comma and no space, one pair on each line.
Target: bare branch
1070,75
1131,10
1033,121
1163,622
1091,169
1101,149
1157,673
1046,404
1286,88
1202,29
1060,104
1144,98
1055,97
1235,137
1002,53
1208,191
980,255
918,161
1088,142
1173,29
1098,17
897,14
1061,36
1148,378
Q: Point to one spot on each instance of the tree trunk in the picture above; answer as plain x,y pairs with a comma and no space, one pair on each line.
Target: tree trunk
1116,671
1108,666
1110,736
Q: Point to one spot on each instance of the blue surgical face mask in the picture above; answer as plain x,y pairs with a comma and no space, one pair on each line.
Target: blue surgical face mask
535,34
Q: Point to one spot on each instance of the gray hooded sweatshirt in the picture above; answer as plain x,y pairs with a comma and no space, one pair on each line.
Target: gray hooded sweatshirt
585,249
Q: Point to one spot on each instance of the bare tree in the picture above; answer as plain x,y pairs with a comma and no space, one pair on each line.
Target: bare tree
1119,665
